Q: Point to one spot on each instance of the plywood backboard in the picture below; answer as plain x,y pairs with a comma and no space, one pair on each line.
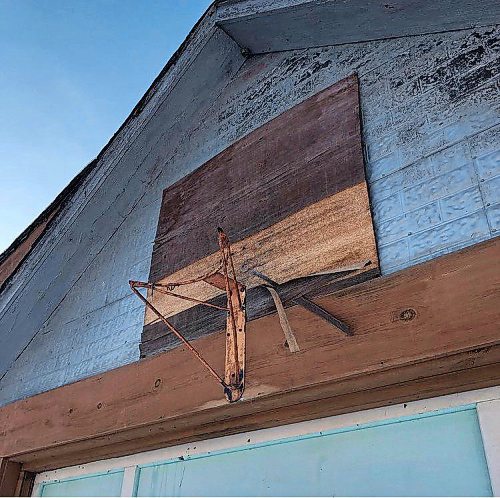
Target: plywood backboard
291,196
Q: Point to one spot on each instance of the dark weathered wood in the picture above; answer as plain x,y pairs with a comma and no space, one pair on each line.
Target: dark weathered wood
308,304
302,156
321,312
428,330
333,233
9,476
200,320
25,483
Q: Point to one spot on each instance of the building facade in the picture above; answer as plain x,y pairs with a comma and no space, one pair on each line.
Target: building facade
70,327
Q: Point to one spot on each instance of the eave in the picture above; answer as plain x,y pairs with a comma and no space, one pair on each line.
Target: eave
263,26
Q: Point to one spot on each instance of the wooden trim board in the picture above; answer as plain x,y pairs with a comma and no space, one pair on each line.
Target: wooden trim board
14,481
483,399
9,476
488,413
353,395
425,331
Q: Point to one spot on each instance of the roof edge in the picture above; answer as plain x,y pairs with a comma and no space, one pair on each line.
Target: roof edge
63,198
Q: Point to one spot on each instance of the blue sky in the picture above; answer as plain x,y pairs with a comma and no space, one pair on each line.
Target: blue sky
70,73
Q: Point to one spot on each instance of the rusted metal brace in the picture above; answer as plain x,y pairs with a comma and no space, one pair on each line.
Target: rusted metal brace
309,305
234,371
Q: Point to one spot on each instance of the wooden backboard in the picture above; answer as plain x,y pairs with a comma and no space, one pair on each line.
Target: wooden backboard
291,196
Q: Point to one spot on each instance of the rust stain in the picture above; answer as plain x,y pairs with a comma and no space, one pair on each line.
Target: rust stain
234,375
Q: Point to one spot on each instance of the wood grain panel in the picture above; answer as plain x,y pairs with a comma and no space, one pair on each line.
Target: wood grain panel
414,382
426,330
332,233
292,198
302,156
12,260
201,320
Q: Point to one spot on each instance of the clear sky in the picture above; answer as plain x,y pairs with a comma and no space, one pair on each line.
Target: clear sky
70,73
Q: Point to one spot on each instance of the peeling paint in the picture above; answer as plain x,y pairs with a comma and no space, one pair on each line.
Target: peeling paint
431,117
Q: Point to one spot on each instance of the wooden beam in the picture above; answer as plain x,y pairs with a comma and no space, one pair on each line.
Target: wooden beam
382,389
428,330
9,476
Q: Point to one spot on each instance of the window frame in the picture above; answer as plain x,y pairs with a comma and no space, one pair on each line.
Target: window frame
486,402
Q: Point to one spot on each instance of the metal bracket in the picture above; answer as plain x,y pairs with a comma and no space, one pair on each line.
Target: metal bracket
291,340
309,305
234,371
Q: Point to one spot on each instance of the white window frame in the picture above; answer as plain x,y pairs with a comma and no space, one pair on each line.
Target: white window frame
488,413
487,402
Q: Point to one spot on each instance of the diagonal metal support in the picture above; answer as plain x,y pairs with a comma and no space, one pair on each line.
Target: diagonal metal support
134,286
309,305
234,371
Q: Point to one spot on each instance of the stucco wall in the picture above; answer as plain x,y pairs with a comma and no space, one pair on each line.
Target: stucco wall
431,125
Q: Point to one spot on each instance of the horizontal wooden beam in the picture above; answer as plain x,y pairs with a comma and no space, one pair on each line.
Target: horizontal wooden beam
426,331
383,389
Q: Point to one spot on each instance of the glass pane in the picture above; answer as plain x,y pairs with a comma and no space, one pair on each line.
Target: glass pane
440,455
109,484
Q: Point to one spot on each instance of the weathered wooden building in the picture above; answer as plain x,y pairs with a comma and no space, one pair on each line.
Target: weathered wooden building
350,150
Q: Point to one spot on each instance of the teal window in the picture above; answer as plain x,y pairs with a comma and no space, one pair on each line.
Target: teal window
440,455
432,454
107,484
